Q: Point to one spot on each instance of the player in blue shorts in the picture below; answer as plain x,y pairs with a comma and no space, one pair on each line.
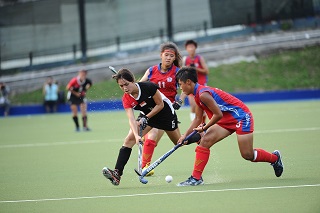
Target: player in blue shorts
227,115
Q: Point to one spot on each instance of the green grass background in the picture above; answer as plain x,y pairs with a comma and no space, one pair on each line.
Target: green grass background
284,70
41,157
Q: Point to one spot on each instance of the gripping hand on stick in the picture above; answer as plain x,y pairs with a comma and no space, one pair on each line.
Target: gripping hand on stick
143,121
177,104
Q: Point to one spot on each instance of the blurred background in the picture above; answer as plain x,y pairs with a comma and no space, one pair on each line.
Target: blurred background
41,38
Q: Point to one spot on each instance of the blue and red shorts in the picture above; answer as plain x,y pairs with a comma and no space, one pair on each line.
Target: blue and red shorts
242,126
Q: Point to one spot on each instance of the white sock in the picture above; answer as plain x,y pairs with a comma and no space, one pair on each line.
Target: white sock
255,154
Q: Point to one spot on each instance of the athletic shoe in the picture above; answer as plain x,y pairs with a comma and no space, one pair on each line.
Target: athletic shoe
151,172
191,181
112,175
278,165
86,129
77,129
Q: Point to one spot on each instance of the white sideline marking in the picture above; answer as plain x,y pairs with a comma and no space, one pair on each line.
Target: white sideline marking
286,130
48,144
158,193
56,143
112,140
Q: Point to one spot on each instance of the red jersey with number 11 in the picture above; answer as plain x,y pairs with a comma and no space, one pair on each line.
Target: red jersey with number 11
165,80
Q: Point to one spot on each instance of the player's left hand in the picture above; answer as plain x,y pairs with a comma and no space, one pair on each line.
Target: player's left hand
177,104
143,121
200,128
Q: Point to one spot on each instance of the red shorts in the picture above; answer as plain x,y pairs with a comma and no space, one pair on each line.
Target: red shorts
241,127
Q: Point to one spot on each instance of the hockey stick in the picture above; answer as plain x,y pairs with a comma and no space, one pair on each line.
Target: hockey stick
140,150
167,154
113,70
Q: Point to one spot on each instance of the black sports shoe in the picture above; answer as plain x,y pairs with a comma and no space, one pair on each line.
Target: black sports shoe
278,165
191,181
112,175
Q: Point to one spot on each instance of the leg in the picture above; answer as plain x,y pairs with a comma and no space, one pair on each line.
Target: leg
46,105
245,143
6,109
54,107
213,135
83,108
150,143
124,154
174,135
74,110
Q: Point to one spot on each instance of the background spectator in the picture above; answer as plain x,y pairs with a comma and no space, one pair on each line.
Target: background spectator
4,98
50,92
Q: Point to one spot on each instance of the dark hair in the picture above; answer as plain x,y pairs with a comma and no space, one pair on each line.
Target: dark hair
174,47
124,73
191,42
186,73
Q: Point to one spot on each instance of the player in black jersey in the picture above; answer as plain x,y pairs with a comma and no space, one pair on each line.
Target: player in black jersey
157,113
77,88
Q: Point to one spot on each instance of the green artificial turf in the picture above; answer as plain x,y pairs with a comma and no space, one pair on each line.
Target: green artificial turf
47,167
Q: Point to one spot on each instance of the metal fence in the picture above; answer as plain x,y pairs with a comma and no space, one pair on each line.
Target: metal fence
32,30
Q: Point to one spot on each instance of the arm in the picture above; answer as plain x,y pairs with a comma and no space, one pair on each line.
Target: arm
177,104
70,88
182,96
204,68
133,123
145,76
89,84
209,101
194,124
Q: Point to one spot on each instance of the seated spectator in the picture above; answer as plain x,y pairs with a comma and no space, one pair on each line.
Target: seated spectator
4,98
50,92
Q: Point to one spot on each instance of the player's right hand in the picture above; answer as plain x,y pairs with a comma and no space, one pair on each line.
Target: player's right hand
181,139
139,140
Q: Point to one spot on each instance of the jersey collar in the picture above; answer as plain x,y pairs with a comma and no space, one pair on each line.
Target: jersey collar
195,89
159,68
139,95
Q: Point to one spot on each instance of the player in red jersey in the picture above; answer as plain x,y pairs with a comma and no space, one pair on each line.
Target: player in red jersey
195,60
77,88
157,112
164,75
227,115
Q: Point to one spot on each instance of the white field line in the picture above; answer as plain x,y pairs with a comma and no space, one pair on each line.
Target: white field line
117,140
159,193
286,130
56,143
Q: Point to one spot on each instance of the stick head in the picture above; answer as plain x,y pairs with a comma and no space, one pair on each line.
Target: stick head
143,180
113,70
